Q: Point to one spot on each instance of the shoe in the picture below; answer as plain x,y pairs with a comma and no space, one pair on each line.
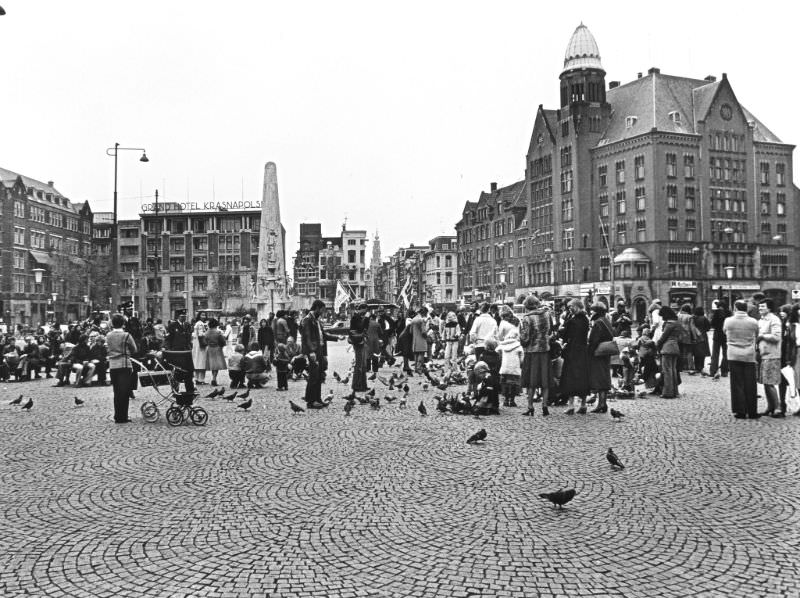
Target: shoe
570,411
739,416
582,410
528,412
315,405
767,413
778,414
213,383
545,412
754,416
600,409
125,421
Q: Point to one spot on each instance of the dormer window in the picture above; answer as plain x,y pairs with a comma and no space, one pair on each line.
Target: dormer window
675,117
39,194
630,121
49,197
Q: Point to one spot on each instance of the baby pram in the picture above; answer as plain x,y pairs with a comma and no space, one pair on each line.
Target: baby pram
165,372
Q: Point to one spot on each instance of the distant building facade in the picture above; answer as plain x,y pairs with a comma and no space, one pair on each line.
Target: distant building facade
43,234
441,272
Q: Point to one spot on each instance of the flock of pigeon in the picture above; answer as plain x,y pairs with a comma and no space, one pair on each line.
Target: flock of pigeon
458,403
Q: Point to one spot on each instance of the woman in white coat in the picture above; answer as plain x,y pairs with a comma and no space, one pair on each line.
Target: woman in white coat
199,348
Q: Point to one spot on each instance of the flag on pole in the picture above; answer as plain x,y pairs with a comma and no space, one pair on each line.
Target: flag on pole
404,293
342,296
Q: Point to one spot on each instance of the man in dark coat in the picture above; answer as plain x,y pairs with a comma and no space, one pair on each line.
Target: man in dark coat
179,333
315,339
719,311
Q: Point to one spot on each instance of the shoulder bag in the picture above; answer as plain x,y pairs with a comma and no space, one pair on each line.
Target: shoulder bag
607,348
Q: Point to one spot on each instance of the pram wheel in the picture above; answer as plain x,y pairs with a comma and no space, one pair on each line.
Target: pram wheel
174,416
149,411
199,416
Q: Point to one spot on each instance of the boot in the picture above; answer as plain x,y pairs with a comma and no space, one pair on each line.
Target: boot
602,407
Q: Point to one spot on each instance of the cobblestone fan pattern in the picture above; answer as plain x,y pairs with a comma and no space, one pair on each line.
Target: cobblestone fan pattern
389,503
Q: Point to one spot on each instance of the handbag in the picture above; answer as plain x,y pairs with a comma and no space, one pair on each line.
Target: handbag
607,348
201,340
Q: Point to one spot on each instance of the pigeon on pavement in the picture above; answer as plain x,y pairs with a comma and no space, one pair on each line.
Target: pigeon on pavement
246,405
16,401
613,459
78,402
348,406
244,395
27,406
214,393
295,407
421,408
372,376
337,377
559,497
617,415
477,436
230,397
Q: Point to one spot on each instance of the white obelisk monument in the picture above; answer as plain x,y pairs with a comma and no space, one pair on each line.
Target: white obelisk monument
271,292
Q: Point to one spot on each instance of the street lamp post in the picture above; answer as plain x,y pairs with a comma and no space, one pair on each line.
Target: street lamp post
114,151
37,278
729,275
55,305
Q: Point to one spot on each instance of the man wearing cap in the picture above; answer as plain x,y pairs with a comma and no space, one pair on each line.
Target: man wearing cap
179,333
315,339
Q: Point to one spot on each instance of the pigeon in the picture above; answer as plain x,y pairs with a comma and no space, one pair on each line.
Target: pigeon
246,405
375,402
337,377
402,403
617,415
478,436
424,386
370,393
441,405
346,380
327,400
27,406
230,397
78,402
406,389
16,401
244,395
330,396
389,398
421,409
348,407
613,459
372,376
214,393
383,380
295,407
560,497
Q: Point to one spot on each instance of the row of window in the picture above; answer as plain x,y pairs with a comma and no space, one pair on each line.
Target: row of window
56,219
780,173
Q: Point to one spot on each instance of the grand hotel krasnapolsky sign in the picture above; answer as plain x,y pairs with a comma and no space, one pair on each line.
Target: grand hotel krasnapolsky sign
202,206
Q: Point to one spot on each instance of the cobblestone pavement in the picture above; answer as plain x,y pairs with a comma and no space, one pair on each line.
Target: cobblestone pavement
389,503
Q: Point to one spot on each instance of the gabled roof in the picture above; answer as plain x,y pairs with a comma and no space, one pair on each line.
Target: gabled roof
652,100
9,176
550,120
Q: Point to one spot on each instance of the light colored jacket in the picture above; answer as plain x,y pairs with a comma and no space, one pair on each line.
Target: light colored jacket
741,331
769,329
121,347
483,327
511,354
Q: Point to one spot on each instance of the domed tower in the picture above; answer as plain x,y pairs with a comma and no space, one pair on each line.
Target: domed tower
583,77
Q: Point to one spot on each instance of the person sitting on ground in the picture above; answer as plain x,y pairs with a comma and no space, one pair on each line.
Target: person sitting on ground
255,367
235,371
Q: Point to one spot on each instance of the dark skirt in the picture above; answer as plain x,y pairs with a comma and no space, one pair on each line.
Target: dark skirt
599,373
743,387
575,372
360,368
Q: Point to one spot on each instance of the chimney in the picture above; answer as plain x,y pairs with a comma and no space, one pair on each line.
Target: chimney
493,187
613,84
710,78
654,71
638,75
50,183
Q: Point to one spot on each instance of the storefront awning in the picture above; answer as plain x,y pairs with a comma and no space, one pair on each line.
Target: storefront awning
42,258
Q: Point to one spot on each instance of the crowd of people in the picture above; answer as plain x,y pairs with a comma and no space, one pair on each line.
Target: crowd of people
570,354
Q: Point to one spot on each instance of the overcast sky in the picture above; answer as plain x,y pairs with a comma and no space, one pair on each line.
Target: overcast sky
391,114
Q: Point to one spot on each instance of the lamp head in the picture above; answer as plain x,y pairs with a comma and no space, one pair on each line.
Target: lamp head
144,157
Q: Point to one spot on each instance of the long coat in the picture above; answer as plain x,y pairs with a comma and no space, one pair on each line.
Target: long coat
419,342
575,372
599,367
